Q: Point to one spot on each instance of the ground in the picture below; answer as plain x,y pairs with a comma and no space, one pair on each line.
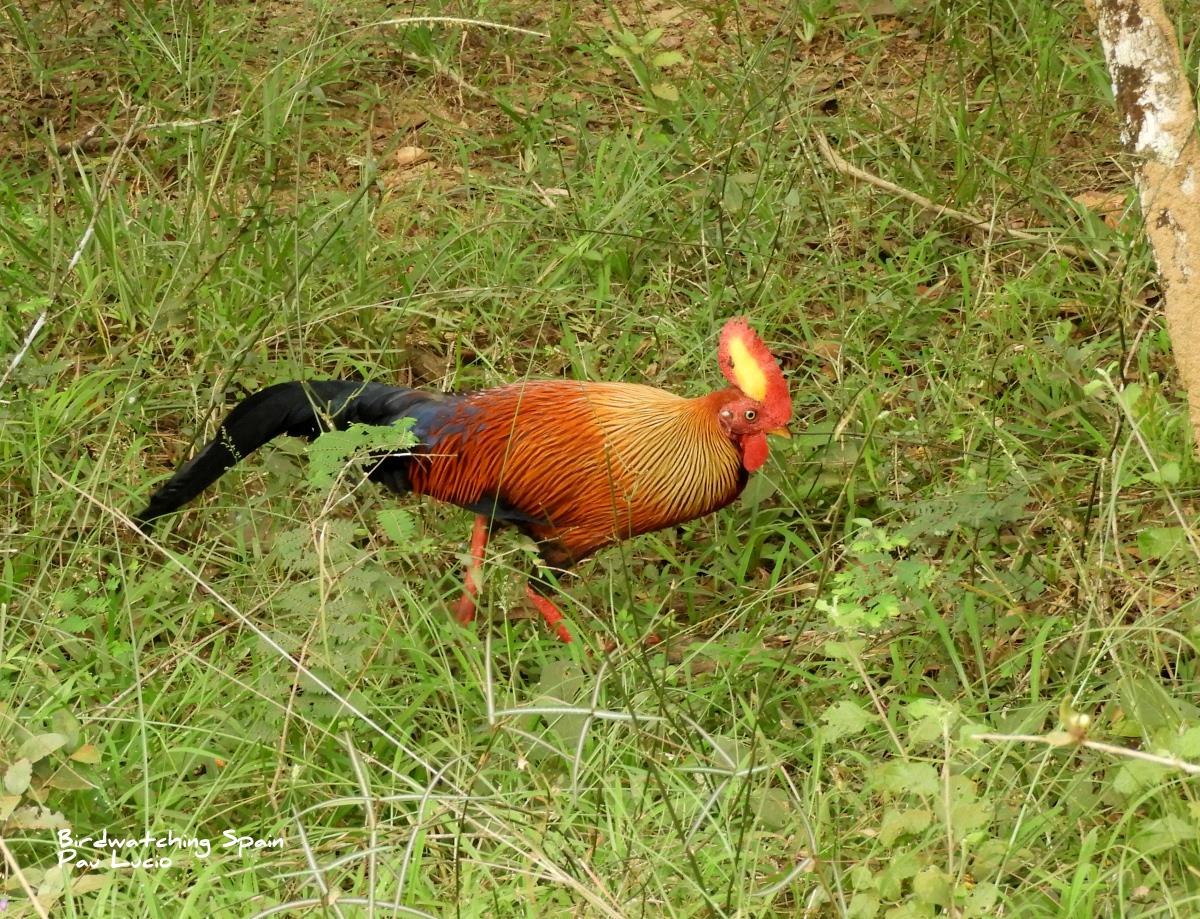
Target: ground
981,524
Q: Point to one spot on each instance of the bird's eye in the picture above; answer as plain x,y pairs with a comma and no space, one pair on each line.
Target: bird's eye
750,414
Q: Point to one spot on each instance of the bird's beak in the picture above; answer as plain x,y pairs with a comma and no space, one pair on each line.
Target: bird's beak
781,432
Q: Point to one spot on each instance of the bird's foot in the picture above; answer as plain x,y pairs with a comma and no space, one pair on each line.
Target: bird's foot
550,613
464,609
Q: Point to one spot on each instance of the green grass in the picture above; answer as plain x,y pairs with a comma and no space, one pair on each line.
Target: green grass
981,524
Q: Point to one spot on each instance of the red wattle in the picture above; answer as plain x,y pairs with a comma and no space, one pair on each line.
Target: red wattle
754,451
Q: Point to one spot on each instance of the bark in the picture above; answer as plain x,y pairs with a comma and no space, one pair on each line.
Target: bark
1155,102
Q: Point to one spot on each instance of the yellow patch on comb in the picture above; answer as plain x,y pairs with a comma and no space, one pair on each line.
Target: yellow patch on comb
747,373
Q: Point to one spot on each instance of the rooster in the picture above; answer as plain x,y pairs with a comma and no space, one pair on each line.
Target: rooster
577,466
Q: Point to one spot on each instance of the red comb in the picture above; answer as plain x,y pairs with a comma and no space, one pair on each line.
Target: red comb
752,369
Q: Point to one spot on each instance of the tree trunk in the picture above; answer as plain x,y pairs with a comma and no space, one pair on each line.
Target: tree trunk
1155,102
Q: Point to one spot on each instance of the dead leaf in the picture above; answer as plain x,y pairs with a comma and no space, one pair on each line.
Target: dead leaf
87,754
34,817
89,883
830,350
407,157
1108,205
549,194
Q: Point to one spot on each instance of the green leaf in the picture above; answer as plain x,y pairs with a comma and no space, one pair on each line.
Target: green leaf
33,306
1161,542
989,856
665,91
844,719
39,746
845,650
912,909
16,779
897,823
735,751
666,59
68,779
968,816
1149,705
1166,833
651,38
967,812
1134,777
562,685
931,718
1167,474
981,900
861,878
863,905
1129,397
932,885
774,808
294,549
397,525
64,722
900,777
330,453
758,490
901,867
74,624
1186,744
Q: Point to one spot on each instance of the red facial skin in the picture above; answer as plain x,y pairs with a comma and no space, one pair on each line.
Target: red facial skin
746,422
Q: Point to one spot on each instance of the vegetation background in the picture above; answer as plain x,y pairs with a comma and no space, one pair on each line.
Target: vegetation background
986,522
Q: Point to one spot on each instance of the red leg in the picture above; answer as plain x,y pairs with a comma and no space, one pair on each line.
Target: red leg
464,610
549,612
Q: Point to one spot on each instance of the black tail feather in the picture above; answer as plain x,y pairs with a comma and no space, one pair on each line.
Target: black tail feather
296,409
